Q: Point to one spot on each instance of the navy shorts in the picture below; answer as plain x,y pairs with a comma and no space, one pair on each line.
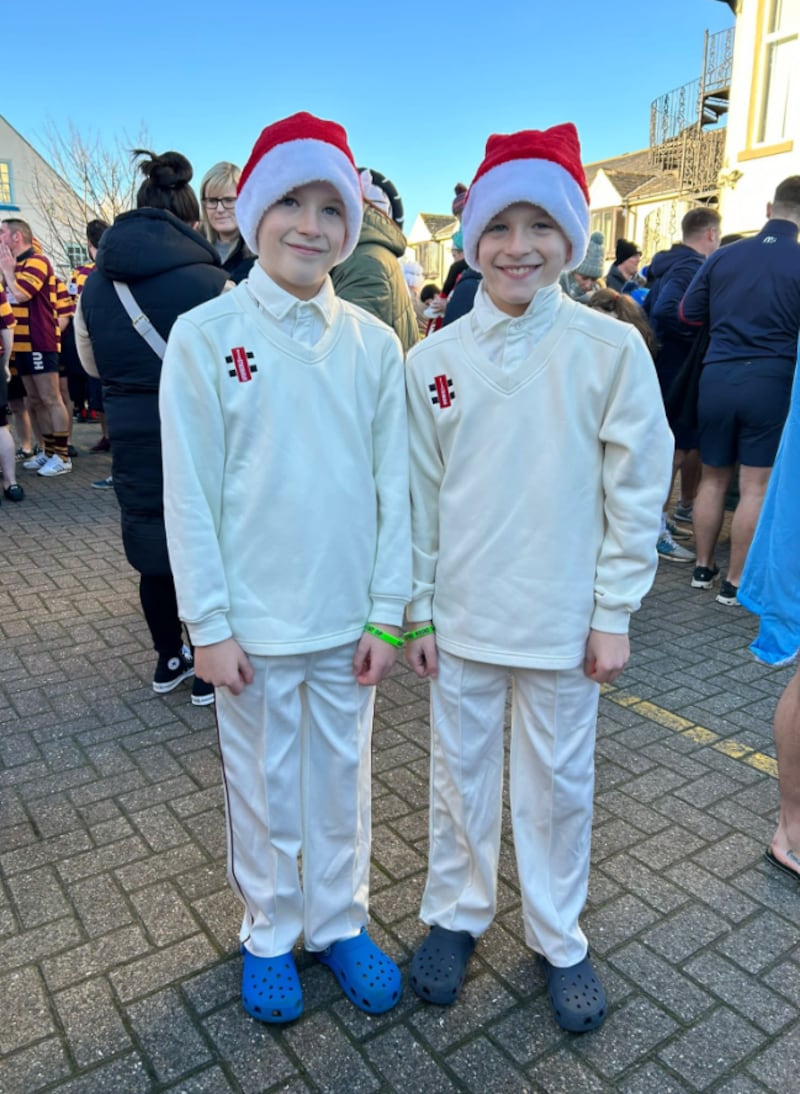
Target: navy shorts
741,410
685,438
36,363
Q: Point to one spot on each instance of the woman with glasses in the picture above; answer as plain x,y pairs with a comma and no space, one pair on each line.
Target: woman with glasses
218,219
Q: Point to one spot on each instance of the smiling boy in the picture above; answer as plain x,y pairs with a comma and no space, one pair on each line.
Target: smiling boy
286,503
540,455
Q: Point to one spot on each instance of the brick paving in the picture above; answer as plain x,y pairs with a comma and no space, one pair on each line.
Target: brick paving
118,936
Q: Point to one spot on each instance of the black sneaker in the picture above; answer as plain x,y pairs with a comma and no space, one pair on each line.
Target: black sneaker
14,492
202,693
171,671
728,594
704,577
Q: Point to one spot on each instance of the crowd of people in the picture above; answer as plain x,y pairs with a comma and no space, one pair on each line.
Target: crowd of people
322,460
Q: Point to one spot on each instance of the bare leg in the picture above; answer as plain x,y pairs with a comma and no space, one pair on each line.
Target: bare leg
49,392
7,461
752,487
37,410
22,424
709,509
689,464
787,743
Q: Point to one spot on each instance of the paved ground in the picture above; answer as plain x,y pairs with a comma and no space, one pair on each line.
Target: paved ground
118,963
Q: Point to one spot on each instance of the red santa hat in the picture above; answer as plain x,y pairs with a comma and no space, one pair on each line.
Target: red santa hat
293,152
542,166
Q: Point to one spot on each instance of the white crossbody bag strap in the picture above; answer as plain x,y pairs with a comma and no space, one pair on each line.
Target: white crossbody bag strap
141,324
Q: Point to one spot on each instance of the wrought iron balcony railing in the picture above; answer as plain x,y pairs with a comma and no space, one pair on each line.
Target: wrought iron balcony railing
685,123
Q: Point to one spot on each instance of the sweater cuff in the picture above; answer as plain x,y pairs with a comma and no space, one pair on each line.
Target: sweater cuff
387,609
421,608
612,622
214,629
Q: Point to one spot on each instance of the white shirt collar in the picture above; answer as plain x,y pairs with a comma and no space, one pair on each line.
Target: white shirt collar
280,303
488,316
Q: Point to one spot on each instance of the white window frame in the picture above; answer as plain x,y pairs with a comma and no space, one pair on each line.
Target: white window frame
77,255
6,183
777,114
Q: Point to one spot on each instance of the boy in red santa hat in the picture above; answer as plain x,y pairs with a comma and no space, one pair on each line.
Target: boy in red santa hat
540,455
287,513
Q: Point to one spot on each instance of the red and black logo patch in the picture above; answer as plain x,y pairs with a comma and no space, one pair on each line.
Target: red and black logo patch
442,391
243,364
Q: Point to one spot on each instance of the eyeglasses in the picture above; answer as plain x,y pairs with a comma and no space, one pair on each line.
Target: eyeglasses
226,203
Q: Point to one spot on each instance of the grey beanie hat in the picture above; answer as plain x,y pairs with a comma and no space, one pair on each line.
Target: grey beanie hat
592,265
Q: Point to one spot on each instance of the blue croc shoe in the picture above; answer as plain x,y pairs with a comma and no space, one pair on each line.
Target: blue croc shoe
271,989
576,995
369,979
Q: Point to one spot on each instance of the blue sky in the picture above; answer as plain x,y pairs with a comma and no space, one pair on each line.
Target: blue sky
418,87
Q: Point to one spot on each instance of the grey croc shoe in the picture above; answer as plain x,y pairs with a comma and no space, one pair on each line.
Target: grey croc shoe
439,966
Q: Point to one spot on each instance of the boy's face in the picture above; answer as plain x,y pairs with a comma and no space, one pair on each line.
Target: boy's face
521,250
301,236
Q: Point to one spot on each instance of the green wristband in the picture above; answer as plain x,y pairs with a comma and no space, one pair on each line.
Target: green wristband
398,643
411,635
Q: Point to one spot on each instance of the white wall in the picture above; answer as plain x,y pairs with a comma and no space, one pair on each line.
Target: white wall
26,163
743,199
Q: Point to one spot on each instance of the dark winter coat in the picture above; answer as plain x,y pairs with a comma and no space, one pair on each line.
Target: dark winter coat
614,279
671,273
372,278
239,262
169,268
669,277
462,297
749,293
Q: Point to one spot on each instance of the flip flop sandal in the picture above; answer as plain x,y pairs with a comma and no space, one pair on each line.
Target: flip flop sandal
271,989
439,966
576,995
772,858
367,976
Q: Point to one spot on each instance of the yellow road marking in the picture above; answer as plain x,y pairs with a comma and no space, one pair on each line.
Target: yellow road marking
696,733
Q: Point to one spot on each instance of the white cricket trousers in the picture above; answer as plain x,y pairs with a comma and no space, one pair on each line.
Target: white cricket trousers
295,748
551,778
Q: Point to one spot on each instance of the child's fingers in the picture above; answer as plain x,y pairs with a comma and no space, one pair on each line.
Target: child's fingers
421,656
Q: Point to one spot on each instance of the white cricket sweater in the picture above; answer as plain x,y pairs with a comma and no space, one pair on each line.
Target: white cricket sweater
537,490
285,476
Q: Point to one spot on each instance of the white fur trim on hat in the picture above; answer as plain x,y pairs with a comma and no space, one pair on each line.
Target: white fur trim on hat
296,163
538,181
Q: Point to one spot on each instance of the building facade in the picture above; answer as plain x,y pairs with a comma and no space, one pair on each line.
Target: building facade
763,133
32,190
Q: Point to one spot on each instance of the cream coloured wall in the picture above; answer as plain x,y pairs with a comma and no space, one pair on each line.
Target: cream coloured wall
602,192
751,170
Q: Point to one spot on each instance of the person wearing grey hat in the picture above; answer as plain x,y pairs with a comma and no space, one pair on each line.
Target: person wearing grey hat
583,282
627,257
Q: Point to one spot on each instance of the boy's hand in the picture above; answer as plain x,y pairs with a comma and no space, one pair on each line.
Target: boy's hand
606,656
374,658
421,654
224,664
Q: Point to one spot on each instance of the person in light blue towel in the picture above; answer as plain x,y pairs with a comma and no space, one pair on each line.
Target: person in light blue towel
771,589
